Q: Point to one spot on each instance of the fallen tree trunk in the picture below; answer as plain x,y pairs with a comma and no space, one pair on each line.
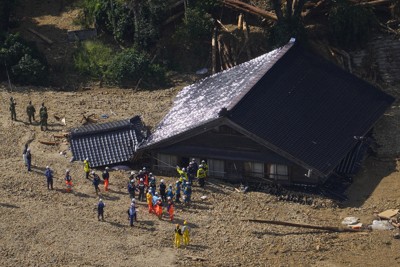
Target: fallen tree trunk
371,3
41,36
299,225
250,9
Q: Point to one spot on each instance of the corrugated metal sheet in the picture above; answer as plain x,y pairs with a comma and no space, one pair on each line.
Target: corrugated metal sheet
311,109
202,101
107,143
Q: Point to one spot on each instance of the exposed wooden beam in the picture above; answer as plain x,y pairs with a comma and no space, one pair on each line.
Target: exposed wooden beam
250,9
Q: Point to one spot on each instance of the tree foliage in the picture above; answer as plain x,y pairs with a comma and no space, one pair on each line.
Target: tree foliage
22,61
351,25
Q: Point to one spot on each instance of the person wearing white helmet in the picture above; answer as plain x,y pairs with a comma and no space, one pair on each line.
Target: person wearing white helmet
182,173
141,188
162,187
49,175
132,213
106,178
100,209
201,175
178,192
131,188
86,167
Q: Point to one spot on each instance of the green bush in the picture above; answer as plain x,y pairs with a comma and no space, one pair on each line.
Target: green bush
92,58
351,25
25,65
29,70
130,66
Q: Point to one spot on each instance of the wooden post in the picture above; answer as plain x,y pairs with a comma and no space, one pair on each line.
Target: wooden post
240,21
214,51
246,36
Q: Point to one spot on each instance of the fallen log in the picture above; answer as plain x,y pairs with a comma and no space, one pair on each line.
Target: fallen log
41,36
250,9
308,226
50,143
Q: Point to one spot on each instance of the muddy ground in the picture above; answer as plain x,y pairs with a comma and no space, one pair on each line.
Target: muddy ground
40,227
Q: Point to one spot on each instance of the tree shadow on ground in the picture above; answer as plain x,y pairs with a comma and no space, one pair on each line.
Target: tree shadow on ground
367,180
117,224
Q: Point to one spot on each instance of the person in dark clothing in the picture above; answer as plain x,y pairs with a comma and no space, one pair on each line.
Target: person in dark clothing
12,109
49,175
142,188
100,209
30,110
191,172
131,188
28,159
43,117
163,187
96,182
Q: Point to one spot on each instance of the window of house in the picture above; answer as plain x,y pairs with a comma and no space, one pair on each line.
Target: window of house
216,168
278,172
165,161
254,169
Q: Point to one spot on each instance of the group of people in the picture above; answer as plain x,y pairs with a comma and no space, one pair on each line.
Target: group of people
30,111
144,183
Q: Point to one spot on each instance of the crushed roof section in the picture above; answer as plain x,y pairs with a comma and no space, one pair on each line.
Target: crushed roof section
107,143
201,102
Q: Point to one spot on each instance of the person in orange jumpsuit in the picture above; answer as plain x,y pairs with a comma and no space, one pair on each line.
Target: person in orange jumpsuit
68,181
170,208
106,178
149,198
158,208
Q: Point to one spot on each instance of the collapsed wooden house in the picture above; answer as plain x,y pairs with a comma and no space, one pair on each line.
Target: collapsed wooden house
288,116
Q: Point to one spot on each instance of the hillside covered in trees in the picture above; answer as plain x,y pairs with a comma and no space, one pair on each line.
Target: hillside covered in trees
133,43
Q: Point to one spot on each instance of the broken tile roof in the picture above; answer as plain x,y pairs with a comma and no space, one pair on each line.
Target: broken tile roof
202,101
107,143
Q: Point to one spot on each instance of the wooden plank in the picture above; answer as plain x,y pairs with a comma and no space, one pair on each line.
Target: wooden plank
41,36
51,143
308,226
387,214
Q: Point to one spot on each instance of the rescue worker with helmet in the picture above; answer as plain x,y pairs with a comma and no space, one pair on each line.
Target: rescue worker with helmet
186,233
106,178
68,181
86,167
201,175
178,236
149,198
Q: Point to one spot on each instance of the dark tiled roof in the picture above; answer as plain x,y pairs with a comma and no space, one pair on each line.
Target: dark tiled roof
310,109
107,143
201,102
